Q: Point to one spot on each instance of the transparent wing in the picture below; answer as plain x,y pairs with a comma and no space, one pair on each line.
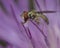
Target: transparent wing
45,12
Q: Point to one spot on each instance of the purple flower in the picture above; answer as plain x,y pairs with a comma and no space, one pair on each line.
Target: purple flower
14,34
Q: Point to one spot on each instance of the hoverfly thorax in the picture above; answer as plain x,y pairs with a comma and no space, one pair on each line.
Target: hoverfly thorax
31,15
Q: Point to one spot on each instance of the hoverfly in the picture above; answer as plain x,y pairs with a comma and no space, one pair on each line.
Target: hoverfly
35,16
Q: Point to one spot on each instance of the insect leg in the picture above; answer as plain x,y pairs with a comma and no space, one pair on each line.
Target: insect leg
37,20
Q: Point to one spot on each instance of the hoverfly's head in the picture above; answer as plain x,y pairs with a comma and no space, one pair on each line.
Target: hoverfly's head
24,14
